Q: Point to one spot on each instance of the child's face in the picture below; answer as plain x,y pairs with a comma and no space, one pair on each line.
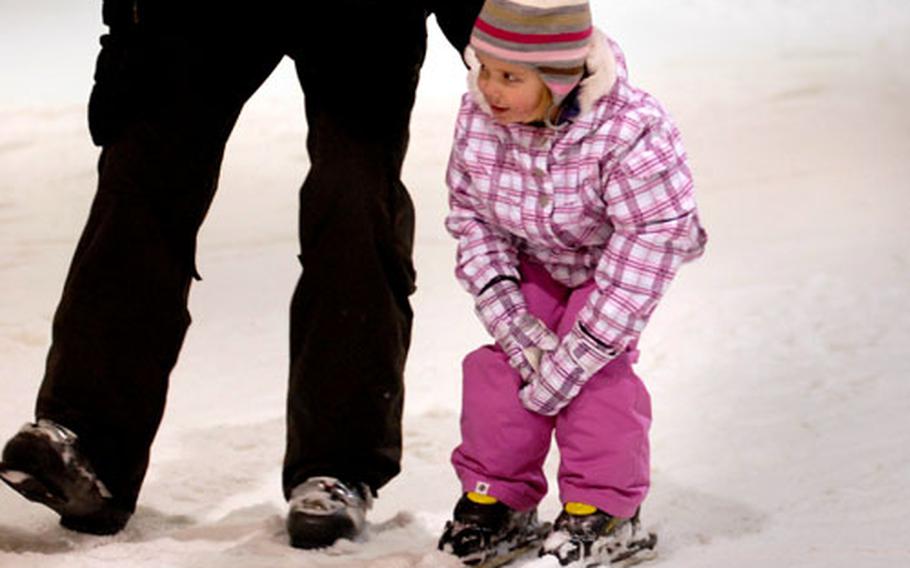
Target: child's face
515,93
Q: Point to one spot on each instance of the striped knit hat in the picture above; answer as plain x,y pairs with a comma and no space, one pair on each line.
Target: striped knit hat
551,36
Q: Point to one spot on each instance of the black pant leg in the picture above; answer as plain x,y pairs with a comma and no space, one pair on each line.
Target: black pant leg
350,315
123,314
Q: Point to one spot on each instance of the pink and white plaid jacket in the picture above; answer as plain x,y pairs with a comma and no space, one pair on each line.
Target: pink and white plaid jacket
607,196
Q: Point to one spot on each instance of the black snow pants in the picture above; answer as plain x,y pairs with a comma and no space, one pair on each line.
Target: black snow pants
168,89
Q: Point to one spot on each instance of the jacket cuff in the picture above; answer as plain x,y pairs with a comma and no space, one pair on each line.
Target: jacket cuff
498,304
586,352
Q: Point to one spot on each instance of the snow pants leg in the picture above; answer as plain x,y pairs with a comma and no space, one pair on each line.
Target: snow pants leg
602,434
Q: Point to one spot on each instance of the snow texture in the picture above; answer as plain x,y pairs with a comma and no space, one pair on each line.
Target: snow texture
779,382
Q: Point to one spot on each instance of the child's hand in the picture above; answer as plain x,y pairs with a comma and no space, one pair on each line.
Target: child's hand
525,339
563,373
504,312
548,391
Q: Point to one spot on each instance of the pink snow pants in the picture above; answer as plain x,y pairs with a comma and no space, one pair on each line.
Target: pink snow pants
602,434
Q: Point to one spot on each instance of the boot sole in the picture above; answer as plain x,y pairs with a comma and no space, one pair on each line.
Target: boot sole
35,470
618,554
32,488
311,532
638,551
504,551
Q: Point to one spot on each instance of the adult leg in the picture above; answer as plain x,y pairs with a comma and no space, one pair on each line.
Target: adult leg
123,314
603,434
350,315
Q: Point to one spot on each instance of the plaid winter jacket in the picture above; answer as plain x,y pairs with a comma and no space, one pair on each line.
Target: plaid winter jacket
608,195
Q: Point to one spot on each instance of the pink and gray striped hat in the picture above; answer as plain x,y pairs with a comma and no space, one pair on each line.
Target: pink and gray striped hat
551,36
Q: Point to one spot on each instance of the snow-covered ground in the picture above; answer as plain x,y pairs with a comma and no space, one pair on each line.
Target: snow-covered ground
781,392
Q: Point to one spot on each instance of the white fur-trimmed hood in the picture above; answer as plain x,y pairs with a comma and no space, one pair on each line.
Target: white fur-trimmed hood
603,67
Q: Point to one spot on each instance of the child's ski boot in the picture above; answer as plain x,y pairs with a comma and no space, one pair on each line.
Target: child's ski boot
585,536
487,533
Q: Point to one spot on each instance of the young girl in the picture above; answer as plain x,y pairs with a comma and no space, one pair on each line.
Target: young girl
573,207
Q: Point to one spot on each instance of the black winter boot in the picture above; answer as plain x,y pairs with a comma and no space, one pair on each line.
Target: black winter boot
323,510
43,463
